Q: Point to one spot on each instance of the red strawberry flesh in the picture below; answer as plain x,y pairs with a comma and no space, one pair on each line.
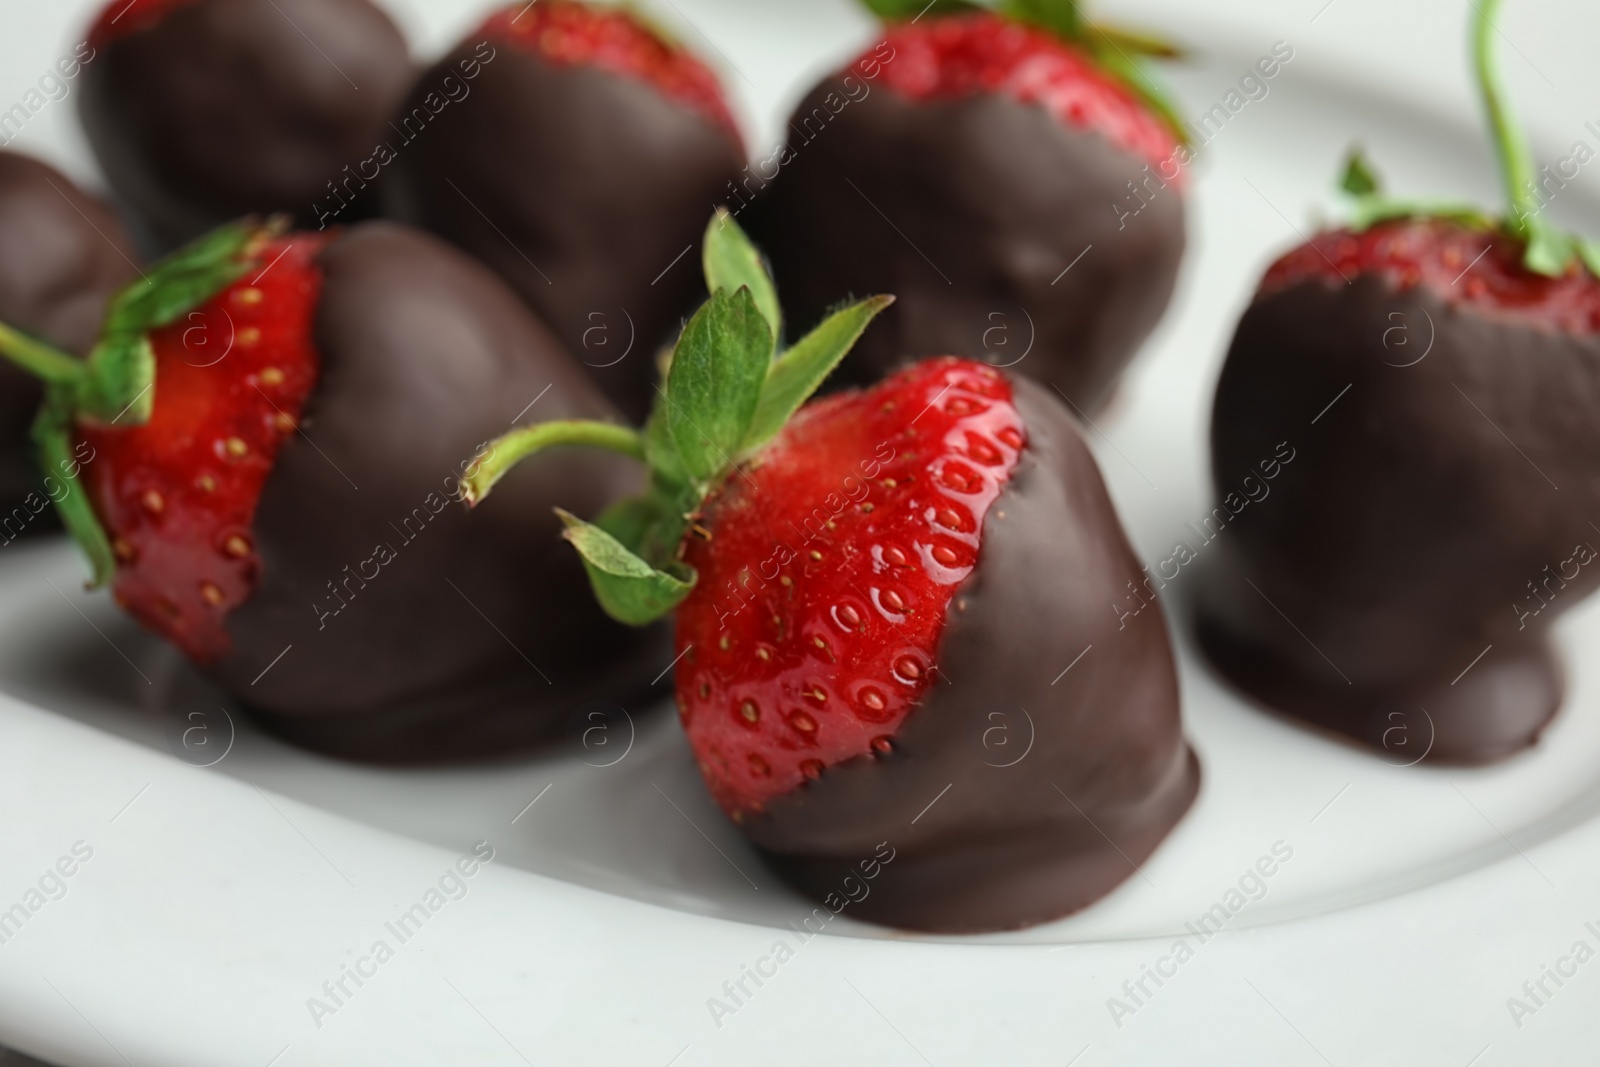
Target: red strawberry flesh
613,39
1464,265
177,495
951,57
123,17
832,561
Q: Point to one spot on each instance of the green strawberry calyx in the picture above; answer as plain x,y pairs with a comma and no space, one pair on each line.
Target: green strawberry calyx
115,385
1549,250
728,391
1120,52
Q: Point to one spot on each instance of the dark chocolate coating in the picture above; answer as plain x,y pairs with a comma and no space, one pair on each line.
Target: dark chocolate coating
234,107
968,211
480,635
1011,846
1402,540
62,255
581,188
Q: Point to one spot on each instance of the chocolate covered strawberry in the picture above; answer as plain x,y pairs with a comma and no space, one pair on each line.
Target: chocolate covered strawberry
200,111
1435,372
62,255
981,166
862,585
578,159
274,423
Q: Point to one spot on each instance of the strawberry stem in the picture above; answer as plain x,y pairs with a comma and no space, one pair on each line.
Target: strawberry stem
39,359
1549,251
492,464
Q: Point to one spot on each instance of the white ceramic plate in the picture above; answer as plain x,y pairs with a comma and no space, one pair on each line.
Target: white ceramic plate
1413,902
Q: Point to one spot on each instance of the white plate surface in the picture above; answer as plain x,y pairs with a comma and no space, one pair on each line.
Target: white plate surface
217,901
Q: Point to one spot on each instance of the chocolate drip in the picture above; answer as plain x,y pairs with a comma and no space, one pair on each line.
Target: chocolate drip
1433,524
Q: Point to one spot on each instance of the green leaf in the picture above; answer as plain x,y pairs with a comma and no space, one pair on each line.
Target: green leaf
629,589
893,10
118,384
731,261
1549,251
1059,16
118,387
185,279
631,520
651,526
715,382
801,370
1371,210
1142,86
1359,178
1589,252
660,450
52,436
1136,42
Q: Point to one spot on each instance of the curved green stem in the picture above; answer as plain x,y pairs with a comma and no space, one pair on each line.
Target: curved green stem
1516,161
38,358
1549,251
507,451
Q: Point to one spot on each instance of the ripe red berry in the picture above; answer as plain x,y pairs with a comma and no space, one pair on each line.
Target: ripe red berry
578,158
178,494
265,461
574,34
1431,371
1023,202
1479,271
863,589
944,59
814,628
120,19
